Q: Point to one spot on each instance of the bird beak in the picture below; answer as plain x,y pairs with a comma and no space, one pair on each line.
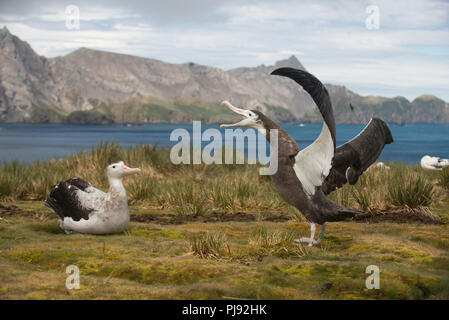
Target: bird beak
127,170
247,122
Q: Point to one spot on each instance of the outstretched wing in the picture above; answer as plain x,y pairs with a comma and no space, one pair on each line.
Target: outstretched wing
316,90
312,164
355,156
67,199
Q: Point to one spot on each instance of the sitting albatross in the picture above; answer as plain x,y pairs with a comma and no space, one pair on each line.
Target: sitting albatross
433,163
305,177
85,209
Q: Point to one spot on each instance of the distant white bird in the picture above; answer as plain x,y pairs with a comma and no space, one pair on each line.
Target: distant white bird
434,163
381,165
85,209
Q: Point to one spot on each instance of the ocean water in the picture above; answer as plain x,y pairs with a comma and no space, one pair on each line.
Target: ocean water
28,143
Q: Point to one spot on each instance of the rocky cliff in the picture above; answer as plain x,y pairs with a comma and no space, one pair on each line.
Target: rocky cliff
90,86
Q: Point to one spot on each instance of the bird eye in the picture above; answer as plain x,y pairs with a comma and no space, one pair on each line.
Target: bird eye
113,167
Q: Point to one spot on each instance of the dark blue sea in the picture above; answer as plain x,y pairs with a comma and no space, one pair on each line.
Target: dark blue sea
31,142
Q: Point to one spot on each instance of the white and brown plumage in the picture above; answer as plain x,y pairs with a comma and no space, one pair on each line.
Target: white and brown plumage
305,177
85,209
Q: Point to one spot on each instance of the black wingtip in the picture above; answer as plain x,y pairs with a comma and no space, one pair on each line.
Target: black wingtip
282,71
315,89
387,132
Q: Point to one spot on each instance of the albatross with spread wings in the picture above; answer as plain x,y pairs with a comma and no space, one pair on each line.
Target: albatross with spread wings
305,177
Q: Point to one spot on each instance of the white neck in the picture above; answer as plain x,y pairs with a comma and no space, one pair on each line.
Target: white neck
116,200
116,185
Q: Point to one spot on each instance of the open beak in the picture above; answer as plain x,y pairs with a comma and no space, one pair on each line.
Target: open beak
127,170
246,122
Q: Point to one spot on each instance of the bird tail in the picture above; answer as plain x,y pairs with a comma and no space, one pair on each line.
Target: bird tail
343,213
52,204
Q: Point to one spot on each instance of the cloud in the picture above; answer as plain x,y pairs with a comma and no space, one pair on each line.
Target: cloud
408,54
90,14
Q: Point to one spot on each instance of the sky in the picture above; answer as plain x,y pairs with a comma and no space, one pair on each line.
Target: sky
386,48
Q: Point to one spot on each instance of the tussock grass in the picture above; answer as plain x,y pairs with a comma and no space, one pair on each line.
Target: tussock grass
413,192
210,245
261,242
362,198
185,198
186,189
276,243
403,187
33,182
203,189
444,179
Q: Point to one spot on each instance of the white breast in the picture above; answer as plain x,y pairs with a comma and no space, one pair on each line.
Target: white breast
312,164
110,214
98,223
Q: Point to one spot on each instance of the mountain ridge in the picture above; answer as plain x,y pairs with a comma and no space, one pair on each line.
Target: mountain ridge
94,86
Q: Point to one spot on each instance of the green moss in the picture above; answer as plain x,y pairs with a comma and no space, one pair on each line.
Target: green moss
157,272
31,256
48,258
154,233
48,227
438,263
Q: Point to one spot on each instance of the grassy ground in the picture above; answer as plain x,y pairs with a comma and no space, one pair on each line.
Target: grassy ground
247,260
250,258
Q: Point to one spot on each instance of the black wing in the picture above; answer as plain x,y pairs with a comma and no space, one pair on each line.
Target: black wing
316,90
79,183
354,157
64,200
